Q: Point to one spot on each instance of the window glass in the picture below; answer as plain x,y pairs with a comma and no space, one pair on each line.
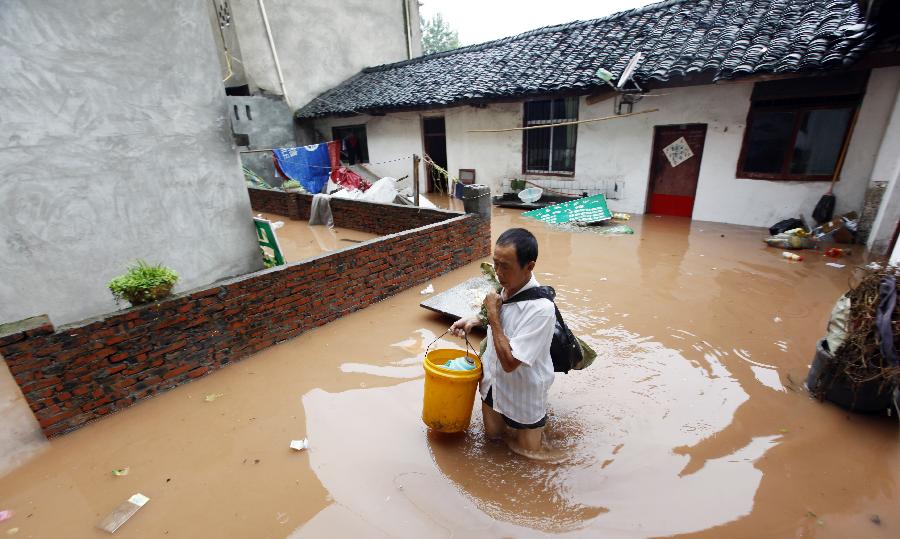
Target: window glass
819,141
551,149
769,141
563,148
537,150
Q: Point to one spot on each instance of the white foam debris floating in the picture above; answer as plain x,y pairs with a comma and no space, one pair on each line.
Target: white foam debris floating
123,512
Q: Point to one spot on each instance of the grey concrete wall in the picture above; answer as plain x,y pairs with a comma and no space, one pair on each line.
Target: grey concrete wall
266,120
114,145
321,44
232,65
268,123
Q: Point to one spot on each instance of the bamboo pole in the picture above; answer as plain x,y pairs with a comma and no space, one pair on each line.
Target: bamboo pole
415,179
561,124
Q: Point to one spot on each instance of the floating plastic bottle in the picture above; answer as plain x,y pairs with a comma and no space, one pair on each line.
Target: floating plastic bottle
464,363
792,256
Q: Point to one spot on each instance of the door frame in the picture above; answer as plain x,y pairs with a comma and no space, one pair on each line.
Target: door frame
429,181
649,190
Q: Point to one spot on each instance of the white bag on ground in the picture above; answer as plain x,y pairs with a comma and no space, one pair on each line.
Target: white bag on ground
838,324
406,197
354,194
383,191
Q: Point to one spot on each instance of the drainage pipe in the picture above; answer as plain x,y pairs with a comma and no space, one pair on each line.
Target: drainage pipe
408,29
265,18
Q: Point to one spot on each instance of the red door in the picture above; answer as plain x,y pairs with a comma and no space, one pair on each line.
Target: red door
675,168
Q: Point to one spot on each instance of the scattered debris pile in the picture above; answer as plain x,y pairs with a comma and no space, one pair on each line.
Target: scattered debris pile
585,214
796,238
856,366
793,234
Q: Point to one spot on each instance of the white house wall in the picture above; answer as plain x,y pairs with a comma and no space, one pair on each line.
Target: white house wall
392,141
723,197
619,150
494,156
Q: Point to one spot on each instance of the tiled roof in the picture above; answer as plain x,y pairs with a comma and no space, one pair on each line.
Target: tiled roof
718,39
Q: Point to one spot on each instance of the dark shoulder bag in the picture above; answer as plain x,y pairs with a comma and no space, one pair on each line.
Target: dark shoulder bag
564,348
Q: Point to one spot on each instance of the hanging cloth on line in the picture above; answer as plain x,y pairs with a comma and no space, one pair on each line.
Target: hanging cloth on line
334,156
340,174
309,165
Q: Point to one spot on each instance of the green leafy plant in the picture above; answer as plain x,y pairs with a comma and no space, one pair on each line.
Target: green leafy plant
254,179
293,185
143,283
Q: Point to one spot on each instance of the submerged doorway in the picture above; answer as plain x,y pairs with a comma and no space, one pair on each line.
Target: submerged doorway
675,168
433,131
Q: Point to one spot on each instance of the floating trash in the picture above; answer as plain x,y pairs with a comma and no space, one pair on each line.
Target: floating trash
123,512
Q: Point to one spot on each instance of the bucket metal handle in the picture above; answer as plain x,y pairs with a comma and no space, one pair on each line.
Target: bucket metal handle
465,336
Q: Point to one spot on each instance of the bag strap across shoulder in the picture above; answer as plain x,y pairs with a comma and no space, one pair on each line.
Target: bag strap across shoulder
538,292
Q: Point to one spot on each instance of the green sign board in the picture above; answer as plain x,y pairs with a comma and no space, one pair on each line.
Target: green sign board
267,240
584,210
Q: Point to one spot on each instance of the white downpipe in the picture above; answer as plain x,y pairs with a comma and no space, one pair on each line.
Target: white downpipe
408,29
262,11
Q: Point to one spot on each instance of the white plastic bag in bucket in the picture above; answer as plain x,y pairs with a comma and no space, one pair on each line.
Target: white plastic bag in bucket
530,195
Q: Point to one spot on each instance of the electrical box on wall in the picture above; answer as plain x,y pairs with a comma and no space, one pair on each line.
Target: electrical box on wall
616,190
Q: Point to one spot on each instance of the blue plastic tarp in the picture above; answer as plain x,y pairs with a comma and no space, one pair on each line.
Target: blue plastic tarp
309,165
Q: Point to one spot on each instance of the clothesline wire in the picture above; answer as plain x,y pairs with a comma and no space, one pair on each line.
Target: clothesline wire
561,124
272,150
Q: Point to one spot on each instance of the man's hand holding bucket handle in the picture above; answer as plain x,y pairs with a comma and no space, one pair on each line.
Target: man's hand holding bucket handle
464,325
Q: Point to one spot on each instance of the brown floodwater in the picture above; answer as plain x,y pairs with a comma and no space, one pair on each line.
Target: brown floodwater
691,422
299,241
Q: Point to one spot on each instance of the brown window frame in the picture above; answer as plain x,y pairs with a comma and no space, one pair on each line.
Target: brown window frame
560,173
802,107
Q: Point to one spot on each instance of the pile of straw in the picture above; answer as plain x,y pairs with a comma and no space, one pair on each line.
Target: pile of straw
859,359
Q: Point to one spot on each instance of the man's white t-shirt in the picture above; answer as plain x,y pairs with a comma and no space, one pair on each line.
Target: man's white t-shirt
521,395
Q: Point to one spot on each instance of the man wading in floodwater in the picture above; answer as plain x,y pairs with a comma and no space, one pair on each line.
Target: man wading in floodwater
518,370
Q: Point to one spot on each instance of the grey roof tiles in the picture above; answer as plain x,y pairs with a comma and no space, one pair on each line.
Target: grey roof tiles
719,39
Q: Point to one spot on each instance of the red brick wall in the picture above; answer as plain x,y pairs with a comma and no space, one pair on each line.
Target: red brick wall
272,201
353,214
84,371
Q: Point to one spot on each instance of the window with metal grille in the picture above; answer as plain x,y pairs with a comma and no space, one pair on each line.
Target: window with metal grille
550,150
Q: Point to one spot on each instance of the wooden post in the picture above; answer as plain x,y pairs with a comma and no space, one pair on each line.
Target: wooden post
415,176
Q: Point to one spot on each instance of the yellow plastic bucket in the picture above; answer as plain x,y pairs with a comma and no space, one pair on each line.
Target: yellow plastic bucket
449,395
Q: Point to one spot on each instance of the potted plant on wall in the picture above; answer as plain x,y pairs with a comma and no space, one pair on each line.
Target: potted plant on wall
143,283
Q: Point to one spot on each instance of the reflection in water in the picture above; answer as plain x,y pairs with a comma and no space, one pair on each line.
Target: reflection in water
512,488
615,423
649,433
299,240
